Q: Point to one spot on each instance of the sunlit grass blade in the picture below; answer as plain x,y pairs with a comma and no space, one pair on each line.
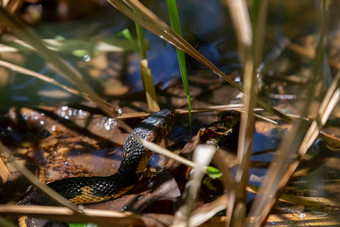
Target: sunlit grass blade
82,225
145,71
213,172
149,87
70,45
63,214
202,156
248,52
176,26
28,72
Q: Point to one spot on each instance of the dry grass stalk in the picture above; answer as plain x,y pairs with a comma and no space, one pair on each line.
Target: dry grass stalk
292,147
250,50
102,217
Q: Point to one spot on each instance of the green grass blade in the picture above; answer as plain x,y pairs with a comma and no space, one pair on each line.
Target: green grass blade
213,172
173,15
254,12
82,225
127,35
176,26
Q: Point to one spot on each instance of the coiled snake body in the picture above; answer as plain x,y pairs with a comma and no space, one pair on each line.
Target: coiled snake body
86,190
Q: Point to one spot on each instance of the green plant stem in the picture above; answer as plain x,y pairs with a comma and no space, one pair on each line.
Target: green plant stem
141,41
145,71
150,91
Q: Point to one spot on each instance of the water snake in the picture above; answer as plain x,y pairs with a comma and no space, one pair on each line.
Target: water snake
86,190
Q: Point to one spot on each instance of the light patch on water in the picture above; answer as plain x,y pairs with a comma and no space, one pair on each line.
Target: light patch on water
82,113
239,96
119,110
150,184
67,113
87,58
109,123
255,178
302,215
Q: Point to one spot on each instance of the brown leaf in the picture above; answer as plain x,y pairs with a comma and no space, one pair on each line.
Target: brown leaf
4,172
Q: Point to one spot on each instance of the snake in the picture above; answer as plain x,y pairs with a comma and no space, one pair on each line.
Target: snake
95,189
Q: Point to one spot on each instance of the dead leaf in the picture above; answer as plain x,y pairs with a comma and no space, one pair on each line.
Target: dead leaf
4,172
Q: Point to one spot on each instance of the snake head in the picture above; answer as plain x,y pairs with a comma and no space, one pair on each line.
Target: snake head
161,123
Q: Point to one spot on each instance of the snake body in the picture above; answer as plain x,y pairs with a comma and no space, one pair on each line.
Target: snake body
86,190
